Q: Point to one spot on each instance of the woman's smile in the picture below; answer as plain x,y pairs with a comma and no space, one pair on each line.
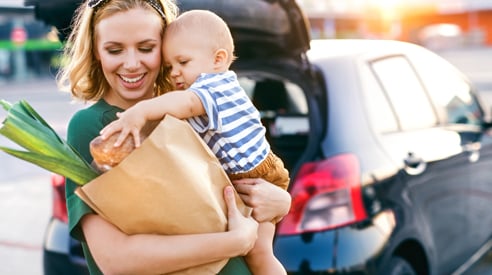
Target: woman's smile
132,81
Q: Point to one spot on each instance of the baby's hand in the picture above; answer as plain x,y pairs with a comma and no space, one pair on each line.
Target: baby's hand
128,122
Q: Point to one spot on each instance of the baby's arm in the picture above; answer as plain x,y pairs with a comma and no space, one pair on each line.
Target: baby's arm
180,104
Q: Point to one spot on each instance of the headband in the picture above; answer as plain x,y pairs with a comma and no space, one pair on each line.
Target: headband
156,4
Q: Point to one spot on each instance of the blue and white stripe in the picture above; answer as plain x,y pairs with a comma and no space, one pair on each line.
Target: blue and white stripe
231,127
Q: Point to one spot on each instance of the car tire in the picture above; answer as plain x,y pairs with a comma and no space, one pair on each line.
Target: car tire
398,266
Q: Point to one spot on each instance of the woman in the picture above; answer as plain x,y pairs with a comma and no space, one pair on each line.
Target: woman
114,60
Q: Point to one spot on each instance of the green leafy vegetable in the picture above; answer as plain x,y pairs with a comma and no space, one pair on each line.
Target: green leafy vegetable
44,147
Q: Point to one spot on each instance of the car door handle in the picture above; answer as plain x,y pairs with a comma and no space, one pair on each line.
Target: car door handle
414,165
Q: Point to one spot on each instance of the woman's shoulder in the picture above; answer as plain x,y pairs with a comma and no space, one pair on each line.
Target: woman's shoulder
86,123
82,116
98,113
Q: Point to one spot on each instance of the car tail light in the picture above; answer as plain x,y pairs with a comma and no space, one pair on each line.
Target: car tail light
325,195
59,201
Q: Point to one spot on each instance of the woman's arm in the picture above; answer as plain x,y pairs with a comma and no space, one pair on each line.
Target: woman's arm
118,253
269,202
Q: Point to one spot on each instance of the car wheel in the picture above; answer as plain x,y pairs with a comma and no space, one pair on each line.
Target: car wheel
398,266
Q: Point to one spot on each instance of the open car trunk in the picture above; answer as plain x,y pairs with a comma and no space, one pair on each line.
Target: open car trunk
271,40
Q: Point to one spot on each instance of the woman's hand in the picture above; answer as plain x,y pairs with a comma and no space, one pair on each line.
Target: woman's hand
246,228
269,202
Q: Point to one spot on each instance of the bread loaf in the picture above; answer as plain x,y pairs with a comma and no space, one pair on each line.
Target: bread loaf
106,155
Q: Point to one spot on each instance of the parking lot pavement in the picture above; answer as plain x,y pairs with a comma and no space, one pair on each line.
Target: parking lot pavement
24,211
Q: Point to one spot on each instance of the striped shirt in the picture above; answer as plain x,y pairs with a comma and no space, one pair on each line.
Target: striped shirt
231,127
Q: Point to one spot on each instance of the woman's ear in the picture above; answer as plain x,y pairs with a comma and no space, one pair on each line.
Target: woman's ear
221,58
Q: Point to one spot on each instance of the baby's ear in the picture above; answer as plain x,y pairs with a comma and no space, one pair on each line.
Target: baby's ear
221,58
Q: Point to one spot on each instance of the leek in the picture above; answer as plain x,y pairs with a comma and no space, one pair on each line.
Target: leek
43,146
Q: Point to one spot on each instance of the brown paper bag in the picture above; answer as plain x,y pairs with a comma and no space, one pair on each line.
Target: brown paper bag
171,184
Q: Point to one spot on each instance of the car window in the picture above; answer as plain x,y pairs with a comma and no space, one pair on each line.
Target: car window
284,113
379,109
405,92
449,90
247,84
273,97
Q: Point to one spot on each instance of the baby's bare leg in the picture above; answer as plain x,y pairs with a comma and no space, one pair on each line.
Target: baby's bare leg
260,259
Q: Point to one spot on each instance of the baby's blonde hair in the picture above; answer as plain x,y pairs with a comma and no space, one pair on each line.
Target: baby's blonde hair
206,26
82,73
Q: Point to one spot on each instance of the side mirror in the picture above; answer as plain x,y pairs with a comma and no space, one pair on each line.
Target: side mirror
57,13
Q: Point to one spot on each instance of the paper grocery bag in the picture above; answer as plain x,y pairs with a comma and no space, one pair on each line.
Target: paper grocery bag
171,184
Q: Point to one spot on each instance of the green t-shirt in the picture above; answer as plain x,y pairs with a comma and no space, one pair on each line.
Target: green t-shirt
83,127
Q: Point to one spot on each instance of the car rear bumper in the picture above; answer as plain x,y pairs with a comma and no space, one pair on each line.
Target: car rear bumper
347,250
61,253
61,264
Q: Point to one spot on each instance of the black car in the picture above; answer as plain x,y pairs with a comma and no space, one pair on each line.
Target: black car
386,142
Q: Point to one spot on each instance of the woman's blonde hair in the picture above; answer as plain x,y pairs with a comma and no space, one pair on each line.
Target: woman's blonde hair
82,73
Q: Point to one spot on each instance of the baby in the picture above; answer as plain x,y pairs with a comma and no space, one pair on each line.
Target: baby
198,50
